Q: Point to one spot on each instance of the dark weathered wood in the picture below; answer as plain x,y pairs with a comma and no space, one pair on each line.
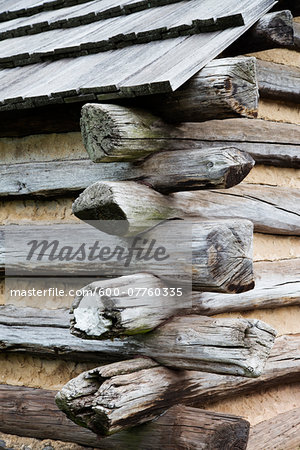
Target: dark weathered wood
273,30
123,394
210,255
278,81
126,305
224,88
280,432
117,133
271,209
277,284
33,413
165,171
181,424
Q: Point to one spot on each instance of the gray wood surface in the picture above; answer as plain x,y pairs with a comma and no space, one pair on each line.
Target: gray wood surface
164,171
117,133
296,36
228,346
137,70
123,393
278,81
126,305
272,210
210,255
277,283
280,432
183,424
225,87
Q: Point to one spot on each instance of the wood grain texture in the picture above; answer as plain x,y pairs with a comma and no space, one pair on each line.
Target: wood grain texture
182,424
278,81
210,255
277,284
118,395
238,346
229,346
280,432
165,171
224,88
271,209
296,45
125,306
118,133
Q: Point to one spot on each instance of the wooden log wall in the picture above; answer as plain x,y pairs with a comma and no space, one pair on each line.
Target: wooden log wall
145,156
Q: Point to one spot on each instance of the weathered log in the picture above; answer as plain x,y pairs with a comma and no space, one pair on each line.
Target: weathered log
210,255
44,420
278,81
225,88
271,209
110,398
273,30
280,432
234,346
114,314
277,284
125,306
165,172
116,133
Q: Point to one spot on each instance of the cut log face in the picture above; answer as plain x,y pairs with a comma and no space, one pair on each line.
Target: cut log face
272,209
125,306
225,88
280,432
166,172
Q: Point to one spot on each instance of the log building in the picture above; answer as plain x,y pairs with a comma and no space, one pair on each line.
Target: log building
167,111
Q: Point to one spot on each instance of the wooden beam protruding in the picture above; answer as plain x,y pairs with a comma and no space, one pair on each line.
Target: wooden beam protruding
225,88
118,133
44,420
165,171
272,209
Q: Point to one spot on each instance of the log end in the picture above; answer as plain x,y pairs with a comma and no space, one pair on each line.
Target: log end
242,164
97,205
99,131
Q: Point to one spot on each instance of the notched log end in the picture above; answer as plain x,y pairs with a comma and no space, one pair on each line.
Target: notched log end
99,131
96,205
237,172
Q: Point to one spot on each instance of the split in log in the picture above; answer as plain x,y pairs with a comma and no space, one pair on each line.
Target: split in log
229,346
224,88
214,255
181,424
116,133
125,306
273,30
272,210
280,432
278,81
114,397
165,172
277,284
